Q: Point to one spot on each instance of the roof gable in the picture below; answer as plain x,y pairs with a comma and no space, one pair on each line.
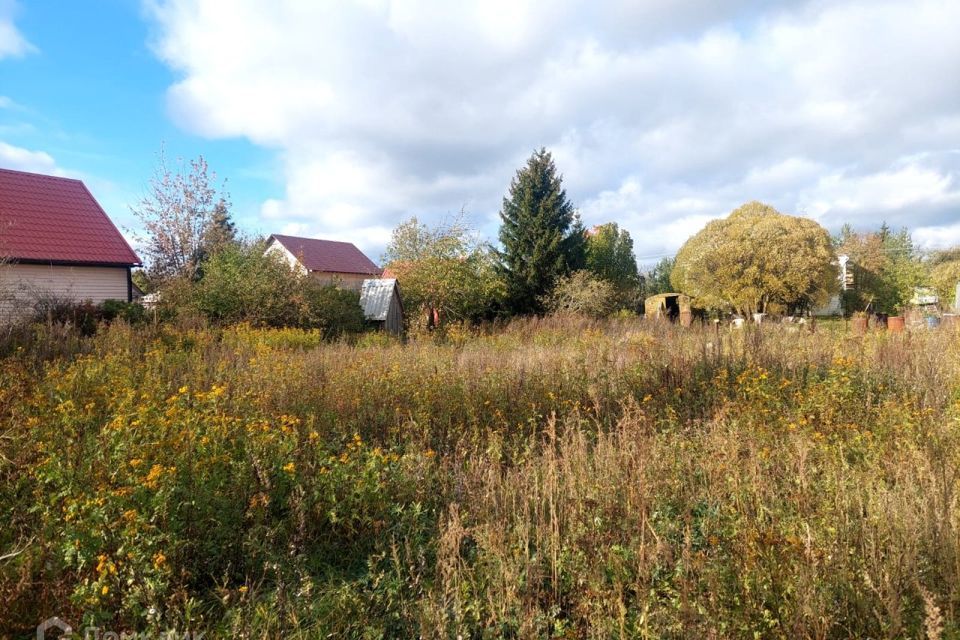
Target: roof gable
327,255
50,219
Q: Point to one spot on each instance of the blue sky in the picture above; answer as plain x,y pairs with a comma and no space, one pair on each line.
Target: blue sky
340,118
90,93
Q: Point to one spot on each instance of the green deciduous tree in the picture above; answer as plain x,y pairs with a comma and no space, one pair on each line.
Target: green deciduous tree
886,269
444,272
609,256
757,257
541,235
944,267
413,240
657,280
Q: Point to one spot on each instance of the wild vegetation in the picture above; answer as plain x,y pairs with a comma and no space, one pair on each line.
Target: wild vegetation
549,478
243,460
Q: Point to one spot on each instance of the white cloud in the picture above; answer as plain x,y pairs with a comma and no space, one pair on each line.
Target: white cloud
20,159
937,237
661,113
883,192
12,42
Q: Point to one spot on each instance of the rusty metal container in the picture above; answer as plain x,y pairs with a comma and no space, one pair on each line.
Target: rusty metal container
895,324
858,325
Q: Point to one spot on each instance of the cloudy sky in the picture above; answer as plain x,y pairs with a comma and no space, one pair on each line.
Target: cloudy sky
339,119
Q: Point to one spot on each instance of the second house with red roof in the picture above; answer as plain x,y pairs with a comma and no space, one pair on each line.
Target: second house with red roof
327,261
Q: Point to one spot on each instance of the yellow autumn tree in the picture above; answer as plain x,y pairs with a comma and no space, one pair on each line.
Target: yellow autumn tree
945,274
757,257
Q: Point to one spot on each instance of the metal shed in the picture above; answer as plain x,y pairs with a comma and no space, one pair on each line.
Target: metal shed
381,303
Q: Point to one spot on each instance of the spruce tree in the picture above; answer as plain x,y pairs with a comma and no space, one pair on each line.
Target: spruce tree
541,235
221,231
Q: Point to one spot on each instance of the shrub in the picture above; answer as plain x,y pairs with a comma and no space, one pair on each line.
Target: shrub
241,284
333,310
54,309
582,293
129,312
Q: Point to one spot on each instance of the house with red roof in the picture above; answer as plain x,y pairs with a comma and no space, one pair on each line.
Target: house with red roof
329,262
56,241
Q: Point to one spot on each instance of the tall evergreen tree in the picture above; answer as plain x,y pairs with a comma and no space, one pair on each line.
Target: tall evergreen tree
221,231
541,234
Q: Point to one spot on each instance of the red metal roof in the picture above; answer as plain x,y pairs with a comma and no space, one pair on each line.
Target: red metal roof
328,255
50,219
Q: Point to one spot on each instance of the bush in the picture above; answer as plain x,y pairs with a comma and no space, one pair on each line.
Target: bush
333,310
53,309
582,293
129,312
85,316
242,285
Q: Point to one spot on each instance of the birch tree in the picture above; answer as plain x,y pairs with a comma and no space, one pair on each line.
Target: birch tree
179,214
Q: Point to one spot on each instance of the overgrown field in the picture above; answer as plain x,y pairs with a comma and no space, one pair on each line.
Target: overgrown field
549,479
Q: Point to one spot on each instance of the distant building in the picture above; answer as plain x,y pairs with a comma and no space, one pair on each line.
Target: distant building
381,303
924,297
56,242
834,306
327,261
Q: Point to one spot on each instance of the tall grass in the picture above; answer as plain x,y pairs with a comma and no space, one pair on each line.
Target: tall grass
550,478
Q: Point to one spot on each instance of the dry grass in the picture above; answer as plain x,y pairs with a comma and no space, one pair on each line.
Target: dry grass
553,478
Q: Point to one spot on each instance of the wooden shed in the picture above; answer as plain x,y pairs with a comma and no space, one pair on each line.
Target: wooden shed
668,306
381,303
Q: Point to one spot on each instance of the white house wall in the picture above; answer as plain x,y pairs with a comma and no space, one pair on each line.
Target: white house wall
292,260
22,284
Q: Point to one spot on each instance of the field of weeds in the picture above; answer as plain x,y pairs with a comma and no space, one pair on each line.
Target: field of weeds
550,479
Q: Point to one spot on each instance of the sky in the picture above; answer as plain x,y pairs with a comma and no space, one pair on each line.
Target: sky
339,119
